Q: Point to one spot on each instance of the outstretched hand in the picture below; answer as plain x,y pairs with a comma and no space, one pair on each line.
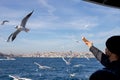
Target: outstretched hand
87,42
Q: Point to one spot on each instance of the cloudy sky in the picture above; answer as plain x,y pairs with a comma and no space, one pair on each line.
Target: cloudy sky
56,25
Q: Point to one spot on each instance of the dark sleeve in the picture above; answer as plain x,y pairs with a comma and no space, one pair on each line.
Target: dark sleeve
100,56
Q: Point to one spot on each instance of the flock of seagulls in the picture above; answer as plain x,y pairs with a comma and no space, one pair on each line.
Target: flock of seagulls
19,28
22,27
43,67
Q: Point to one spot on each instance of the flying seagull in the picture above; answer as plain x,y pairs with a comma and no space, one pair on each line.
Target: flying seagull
41,66
3,22
20,27
18,78
66,61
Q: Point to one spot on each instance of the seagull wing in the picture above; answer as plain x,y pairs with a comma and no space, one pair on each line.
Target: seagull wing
14,77
15,34
23,23
4,22
47,67
86,57
64,59
9,37
36,63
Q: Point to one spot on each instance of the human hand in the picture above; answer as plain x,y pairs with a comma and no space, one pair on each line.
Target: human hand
87,42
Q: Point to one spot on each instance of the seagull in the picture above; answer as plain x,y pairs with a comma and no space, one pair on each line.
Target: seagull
86,57
18,78
3,22
78,65
42,67
20,27
67,62
72,74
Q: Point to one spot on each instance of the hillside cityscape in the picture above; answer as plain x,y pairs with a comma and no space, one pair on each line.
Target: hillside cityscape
51,54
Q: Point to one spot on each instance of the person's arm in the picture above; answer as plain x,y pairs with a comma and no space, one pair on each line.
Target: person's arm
100,56
97,53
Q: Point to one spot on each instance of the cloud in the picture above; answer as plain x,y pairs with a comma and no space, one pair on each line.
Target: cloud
82,24
110,32
46,5
55,24
41,45
11,13
100,37
79,23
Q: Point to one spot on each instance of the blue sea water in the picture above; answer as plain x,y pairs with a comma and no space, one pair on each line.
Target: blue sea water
79,69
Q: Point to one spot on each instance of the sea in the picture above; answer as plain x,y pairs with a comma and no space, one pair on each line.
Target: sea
54,68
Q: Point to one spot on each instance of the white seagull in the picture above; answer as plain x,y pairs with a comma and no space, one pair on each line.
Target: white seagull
86,57
67,61
3,22
42,67
78,65
18,78
72,74
20,27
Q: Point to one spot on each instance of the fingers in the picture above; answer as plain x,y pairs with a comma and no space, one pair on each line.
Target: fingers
87,42
84,39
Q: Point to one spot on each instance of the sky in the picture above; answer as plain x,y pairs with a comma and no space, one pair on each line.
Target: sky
56,25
